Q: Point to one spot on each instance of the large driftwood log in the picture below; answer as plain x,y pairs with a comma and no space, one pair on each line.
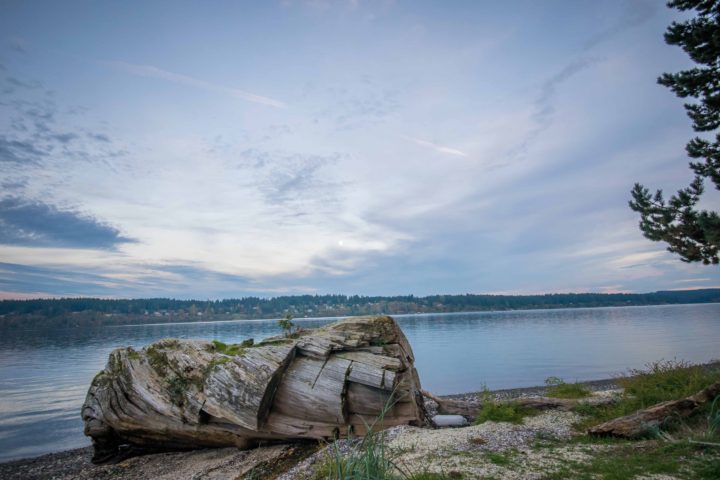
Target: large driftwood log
468,409
325,383
638,424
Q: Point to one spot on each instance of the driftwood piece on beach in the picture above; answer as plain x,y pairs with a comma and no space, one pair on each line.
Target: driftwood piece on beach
638,424
325,383
449,406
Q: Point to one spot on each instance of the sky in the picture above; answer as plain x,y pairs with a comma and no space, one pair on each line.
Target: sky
226,149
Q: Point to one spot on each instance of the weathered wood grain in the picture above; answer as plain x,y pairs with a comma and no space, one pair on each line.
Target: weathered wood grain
188,394
470,409
640,422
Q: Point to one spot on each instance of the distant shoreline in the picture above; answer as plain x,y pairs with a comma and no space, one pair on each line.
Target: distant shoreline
424,314
88,312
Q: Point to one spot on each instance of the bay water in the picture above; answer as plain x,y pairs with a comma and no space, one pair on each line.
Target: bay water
44,374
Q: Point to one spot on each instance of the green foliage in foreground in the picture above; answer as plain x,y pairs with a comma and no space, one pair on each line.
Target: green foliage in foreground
557,388
433,476
658,382
493,411
609,458
630,459
666,380
499,458
369,459
713,419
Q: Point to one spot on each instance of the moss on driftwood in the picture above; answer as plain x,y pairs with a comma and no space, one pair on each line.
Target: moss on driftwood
320,384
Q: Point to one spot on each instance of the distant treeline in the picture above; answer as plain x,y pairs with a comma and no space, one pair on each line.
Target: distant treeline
95,311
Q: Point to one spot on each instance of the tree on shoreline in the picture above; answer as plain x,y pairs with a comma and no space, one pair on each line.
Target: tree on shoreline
691,233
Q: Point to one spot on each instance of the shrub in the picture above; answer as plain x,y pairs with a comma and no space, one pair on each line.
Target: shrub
665,380
658,382
557,388
231,350
503,412
286,324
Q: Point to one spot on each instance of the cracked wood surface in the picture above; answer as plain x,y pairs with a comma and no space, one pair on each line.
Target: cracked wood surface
642,421
183,394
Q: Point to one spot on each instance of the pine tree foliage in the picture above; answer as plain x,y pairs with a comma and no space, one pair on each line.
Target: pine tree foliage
693,234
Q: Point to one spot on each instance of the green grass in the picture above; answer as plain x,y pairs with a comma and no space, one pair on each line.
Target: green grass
370,459
557,388
499,458
276,341
176,387
133,354
158,360
671,453
666,380
625,461
658,382
232,349
435,476
511,412
713,418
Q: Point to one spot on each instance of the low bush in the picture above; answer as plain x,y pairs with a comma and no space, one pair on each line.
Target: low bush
231,349
503,412
557,388
665,380
657,382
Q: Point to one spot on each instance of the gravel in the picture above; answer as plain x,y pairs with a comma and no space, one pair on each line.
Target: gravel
439,450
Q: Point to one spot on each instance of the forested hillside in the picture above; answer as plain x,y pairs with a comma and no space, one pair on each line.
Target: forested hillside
94,311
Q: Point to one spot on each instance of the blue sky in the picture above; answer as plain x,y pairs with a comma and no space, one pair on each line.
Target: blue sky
223,149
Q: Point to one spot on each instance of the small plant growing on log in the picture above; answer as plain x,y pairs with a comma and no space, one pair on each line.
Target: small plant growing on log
233,349
177,386
286,324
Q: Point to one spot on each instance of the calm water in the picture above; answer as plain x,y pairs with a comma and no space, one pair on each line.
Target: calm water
44,375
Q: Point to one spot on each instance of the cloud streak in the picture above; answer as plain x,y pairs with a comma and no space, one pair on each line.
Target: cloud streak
151,71
438,148
637,13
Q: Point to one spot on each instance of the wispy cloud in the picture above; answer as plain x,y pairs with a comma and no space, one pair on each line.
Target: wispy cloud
38,133
18,44
544,104
432,150
438,148
637,12
155,72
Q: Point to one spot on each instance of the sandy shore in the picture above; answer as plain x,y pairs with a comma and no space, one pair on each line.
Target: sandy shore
207,464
